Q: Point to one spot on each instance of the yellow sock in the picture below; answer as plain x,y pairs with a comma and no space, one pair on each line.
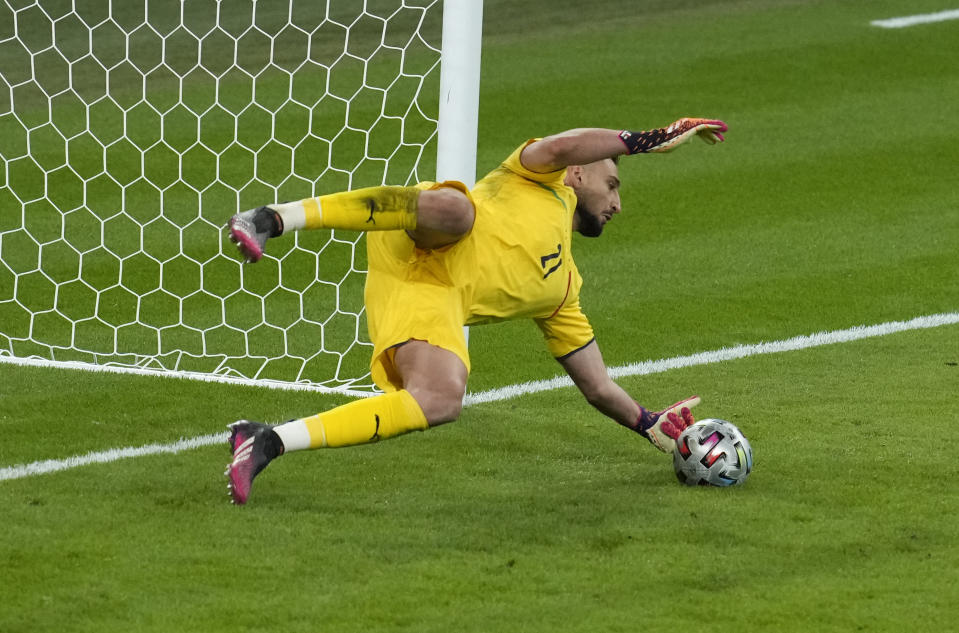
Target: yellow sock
371,209
367,420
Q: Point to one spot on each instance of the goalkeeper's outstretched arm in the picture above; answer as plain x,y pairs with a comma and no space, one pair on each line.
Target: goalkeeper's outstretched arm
582,146
661,428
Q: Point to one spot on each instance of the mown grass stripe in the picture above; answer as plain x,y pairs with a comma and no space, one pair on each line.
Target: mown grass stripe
512,391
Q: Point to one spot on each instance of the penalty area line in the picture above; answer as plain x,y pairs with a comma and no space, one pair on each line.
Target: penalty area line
111,455
795,343
912,20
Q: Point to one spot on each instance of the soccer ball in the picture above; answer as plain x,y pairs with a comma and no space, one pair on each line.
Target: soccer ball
712,453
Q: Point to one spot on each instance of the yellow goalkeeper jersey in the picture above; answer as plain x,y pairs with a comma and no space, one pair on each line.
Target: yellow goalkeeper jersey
515,263
524,261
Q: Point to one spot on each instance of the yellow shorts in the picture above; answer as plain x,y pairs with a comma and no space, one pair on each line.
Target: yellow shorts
415,294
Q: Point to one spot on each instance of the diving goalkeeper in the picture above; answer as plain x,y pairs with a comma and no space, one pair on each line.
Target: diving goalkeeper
442,257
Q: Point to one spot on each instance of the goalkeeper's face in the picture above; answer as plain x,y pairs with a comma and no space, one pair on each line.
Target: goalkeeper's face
597,195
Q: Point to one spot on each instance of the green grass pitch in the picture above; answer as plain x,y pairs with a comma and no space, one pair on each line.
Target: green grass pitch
832,204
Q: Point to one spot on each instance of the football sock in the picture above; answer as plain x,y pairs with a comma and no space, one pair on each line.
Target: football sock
358,422
371,209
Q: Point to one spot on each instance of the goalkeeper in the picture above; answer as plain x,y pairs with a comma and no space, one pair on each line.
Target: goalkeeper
442,257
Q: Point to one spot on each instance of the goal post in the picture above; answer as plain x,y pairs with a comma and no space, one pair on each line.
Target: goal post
130,132
459,91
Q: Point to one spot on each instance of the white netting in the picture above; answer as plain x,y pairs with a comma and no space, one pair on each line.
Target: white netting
131,131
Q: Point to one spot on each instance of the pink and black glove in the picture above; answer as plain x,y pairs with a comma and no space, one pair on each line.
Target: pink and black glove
662,428
665,139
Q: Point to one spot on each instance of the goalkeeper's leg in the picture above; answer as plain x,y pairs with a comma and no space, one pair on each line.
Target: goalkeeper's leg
434,381
433,217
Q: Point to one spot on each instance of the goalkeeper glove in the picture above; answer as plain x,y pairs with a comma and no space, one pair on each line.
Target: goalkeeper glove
665,139
662,428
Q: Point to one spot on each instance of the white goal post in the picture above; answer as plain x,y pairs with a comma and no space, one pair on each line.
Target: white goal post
459,91
130,132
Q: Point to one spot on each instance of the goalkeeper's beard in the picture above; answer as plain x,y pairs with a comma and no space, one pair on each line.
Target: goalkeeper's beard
588,224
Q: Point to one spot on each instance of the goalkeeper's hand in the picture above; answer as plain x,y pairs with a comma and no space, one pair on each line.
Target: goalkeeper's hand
668,138
662,428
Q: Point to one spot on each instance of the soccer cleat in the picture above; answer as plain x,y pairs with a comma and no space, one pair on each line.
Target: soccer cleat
249,230
254,446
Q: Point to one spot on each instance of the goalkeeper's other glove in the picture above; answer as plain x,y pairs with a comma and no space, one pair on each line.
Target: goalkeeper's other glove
665,139
662,428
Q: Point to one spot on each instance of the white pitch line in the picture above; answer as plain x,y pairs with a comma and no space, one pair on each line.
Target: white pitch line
725,354
186,375
111,455
505,393
912,20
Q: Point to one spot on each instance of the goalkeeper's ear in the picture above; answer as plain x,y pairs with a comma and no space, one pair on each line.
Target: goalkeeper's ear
574,175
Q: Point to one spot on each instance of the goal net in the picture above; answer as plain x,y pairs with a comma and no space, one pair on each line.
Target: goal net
131,131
